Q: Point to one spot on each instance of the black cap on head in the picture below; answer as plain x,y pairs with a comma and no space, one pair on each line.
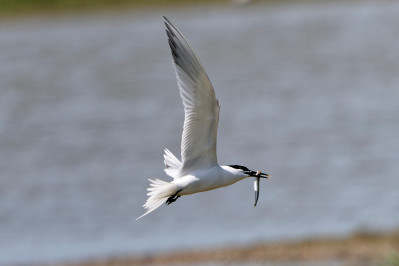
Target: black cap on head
249,172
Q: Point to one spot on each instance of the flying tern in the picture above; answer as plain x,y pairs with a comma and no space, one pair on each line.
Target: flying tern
198,170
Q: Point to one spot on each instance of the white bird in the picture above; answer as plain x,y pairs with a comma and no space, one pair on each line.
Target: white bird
198,169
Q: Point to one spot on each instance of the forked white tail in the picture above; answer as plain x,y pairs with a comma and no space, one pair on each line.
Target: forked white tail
159,192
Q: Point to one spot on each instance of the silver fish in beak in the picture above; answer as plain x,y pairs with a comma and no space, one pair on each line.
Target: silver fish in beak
257,176
256,187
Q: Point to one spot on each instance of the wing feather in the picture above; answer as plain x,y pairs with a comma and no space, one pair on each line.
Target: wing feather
201,108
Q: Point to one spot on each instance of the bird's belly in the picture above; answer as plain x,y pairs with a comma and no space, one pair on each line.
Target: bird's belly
200,185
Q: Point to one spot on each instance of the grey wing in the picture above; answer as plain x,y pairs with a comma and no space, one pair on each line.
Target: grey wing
201,108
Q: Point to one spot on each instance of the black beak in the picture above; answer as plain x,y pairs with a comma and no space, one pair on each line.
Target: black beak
263,175
259,174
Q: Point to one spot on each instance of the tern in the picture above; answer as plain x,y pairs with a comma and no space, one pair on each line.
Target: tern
198,170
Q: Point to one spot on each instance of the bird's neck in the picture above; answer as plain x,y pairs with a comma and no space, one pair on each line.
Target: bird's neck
232,174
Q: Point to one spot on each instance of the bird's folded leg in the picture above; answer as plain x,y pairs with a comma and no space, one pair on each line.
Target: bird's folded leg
173,198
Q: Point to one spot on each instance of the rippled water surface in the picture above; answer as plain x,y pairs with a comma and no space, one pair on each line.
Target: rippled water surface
309,93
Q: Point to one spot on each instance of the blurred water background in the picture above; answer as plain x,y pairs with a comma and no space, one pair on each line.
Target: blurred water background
309,93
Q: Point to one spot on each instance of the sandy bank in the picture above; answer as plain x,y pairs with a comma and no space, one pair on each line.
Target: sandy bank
358,249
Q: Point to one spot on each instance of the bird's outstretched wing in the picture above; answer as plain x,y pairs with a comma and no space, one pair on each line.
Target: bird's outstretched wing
201,108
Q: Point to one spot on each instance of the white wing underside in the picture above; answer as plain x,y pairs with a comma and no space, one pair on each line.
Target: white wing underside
201,108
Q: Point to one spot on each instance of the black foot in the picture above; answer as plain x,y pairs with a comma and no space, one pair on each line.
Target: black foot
172,199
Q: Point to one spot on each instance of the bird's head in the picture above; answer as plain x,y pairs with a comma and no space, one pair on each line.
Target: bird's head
239,169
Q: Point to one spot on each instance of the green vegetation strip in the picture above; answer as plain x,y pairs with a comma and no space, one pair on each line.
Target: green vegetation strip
17,7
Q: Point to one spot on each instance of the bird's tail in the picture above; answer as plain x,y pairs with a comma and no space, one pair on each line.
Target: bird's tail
159,192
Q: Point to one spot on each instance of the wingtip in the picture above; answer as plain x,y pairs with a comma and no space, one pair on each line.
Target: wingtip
166,20
168,26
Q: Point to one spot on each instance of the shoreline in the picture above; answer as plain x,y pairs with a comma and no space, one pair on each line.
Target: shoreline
364,248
